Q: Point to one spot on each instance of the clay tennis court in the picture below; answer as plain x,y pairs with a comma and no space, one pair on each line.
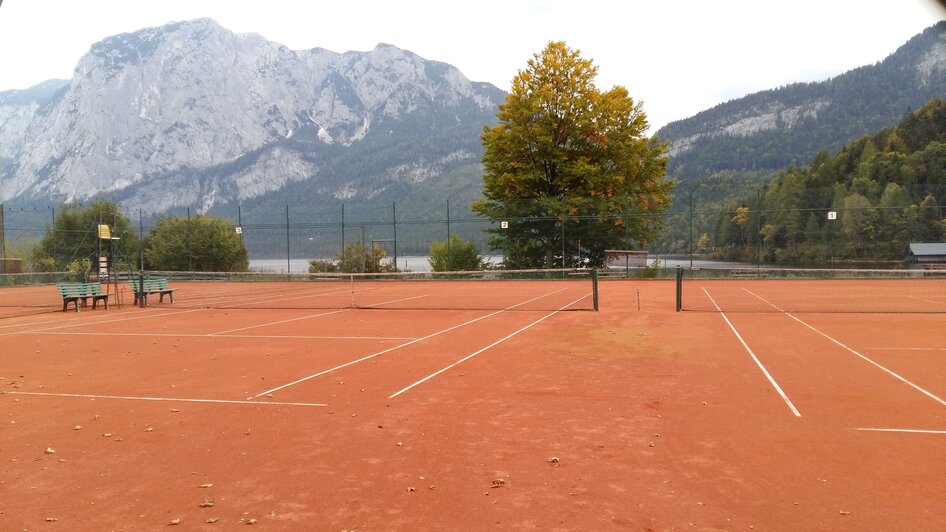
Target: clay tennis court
634,417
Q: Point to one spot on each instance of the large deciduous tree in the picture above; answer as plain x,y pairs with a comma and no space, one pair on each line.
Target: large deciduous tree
569,167
74,238
197,243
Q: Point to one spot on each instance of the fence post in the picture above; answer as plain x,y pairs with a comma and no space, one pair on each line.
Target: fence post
288,251
394,218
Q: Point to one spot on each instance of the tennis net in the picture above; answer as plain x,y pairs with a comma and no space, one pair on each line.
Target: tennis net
811,290
561,289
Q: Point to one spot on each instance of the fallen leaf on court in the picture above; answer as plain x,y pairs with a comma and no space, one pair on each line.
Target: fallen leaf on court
400,444
149,429
411,488
107,435
175,410
498,483
175,521
50,450
844,512
207,503
51,519
77,427
553,460
212,519
251,521
206,485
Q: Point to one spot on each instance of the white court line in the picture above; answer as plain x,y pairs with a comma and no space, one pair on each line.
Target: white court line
923,299
905,348
281,322
261,297
394,301
910,431
494,344
768,376
164,399
115,320
218,335
855,353
405,344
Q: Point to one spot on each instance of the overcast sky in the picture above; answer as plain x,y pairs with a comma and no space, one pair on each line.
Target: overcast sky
677,56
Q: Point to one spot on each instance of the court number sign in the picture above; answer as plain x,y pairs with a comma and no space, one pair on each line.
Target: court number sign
504,225
832,215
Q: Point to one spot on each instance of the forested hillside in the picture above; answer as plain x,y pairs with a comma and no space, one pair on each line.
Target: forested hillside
722,154
887,190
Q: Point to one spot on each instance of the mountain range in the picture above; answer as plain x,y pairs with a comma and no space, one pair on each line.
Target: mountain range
191,115
774,129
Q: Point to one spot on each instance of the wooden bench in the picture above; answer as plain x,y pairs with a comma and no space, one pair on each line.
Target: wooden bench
157,285
76,292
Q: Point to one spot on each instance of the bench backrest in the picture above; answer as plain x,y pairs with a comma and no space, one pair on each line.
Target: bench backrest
80,289
157,283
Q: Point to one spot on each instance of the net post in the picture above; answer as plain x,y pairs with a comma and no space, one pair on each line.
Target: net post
679,285
594,288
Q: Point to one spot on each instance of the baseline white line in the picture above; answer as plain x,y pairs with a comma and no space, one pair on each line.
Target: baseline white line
406,344
911,431
490,346
164,399
855,353
765,372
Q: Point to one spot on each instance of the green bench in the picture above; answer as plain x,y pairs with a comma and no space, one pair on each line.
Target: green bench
157,285
76,292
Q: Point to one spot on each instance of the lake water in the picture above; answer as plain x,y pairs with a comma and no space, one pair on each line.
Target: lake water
420,264
409,263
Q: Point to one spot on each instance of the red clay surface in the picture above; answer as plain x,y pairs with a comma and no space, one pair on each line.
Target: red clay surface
301,419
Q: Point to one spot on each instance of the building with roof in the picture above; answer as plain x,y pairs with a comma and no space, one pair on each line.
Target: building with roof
923,254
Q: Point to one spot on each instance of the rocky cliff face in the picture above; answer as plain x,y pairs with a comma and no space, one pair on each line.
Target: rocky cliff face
191,114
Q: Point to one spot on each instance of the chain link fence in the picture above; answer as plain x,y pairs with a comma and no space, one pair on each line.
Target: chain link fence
840,232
